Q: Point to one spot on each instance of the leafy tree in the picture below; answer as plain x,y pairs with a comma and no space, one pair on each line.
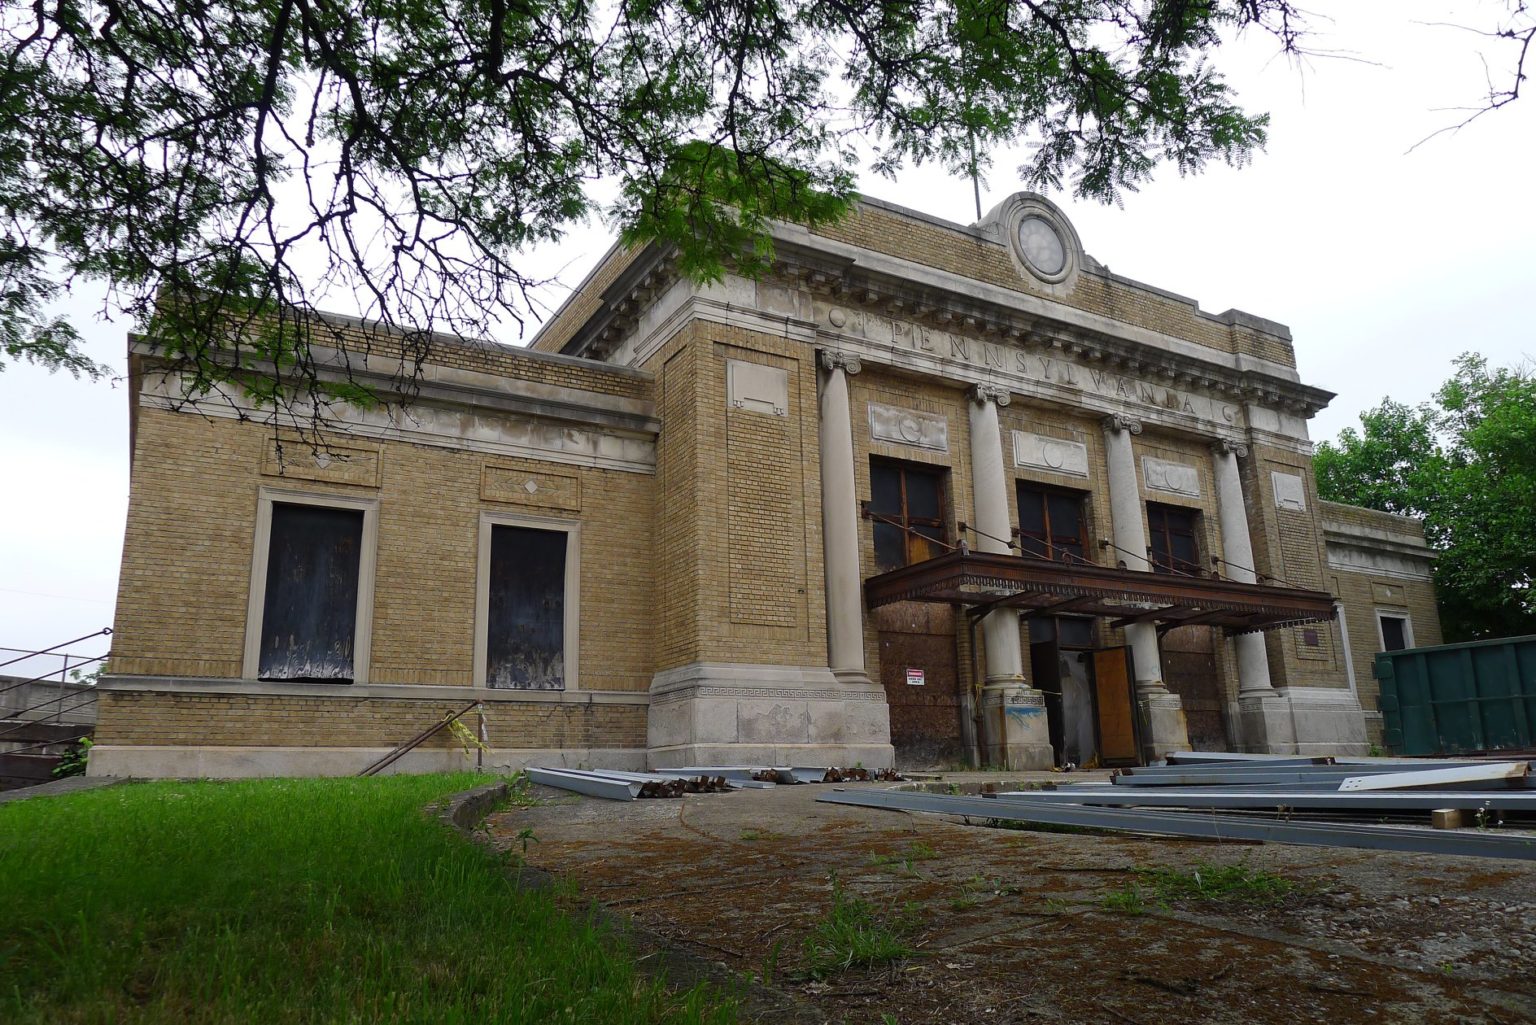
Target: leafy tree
1466,463
244,157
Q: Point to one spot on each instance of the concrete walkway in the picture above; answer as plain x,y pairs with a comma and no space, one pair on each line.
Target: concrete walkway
54,788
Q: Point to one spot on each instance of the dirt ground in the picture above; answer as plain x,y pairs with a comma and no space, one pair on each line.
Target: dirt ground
1011,926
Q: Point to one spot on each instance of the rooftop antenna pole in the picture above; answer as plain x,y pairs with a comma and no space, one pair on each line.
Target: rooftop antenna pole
975,175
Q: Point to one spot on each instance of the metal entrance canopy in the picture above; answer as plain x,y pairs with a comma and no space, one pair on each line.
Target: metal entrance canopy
1044,587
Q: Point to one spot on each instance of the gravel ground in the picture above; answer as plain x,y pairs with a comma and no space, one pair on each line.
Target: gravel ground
1012,926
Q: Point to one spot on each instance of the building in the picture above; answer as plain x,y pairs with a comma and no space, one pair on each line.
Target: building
928,492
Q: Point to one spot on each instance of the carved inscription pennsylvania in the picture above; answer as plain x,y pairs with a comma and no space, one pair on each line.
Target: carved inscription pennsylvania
1051,368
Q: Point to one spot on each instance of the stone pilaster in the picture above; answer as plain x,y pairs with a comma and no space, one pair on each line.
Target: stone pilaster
1014,728
1162,714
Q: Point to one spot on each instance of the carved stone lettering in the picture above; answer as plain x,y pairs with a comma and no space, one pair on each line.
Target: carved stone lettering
1174,478
1050,453
942,347
906,427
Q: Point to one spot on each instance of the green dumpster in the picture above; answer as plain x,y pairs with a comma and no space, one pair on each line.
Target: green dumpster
1459,698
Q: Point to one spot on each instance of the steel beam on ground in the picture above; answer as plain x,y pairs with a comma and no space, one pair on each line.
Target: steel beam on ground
1197,776
1416,778
584,783
1209,825
1222,797
1225,757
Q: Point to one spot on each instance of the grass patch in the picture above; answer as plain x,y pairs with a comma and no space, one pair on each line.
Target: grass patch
766,835
853,935
915,851
289,901
1205,882
1044,827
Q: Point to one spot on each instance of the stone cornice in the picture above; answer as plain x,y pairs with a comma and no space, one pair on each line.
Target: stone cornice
454,388
991,313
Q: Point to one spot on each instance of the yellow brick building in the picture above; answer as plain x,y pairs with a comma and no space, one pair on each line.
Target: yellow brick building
930,493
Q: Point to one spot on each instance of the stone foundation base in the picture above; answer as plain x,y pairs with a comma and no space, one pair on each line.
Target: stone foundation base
1164,729
738,714
1302,721
1014,731
173,762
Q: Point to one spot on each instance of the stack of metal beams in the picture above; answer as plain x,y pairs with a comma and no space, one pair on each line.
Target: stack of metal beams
696,779
1478,807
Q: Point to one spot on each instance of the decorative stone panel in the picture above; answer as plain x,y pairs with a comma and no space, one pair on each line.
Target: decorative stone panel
906,427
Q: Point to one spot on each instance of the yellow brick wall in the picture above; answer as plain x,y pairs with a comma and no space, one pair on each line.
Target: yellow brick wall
1288,546
156,719
192,517
739,564
1364,593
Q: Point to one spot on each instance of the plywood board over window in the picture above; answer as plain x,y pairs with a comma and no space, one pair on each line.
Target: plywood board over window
526,609
309,616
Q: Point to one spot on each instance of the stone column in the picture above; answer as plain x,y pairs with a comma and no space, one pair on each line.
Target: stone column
1252,658
1263,714
1014,728
1162,714
840,520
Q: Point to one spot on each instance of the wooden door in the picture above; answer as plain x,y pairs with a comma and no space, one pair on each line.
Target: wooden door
1114,694
1189,670
918,668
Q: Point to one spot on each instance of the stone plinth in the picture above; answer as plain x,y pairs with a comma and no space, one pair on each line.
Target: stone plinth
739,714
1014,731
1302,721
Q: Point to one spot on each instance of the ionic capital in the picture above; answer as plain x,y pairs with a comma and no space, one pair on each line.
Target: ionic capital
1121,422
832,360
981,394
1226,446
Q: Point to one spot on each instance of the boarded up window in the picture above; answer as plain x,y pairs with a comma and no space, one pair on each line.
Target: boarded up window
309,617
525,628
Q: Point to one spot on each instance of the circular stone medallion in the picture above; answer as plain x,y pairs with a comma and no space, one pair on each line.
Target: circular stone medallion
1041,245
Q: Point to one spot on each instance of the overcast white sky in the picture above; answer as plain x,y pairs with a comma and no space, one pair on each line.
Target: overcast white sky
1386,265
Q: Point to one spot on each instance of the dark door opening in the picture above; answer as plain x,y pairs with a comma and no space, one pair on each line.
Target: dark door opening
1089,704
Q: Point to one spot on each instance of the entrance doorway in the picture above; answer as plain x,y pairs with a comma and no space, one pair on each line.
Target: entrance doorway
1089,703
1189,670
918,668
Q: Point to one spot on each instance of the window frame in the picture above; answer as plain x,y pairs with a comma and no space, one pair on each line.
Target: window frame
1021,484
1195,516
362,633
1381,633
570,656
941,522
